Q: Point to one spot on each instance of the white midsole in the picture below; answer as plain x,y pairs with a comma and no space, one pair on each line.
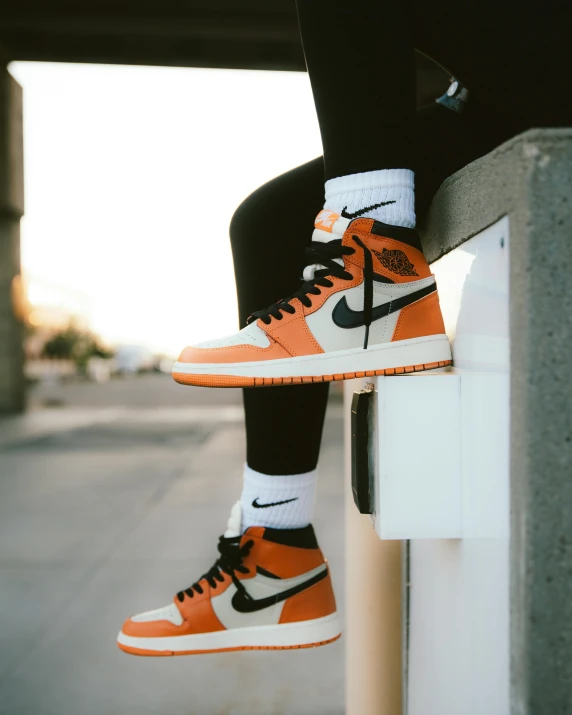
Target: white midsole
401,353
274,636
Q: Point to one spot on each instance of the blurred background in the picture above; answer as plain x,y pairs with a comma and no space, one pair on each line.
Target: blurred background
144,126
132,175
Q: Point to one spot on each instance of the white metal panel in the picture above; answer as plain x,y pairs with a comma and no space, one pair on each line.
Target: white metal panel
441,455
419,490
473,290
485,455
458,626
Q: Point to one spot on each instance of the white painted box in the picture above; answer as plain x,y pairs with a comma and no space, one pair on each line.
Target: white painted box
441,455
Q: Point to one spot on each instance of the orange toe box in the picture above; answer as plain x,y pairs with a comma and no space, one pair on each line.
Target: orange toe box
232,354
150,629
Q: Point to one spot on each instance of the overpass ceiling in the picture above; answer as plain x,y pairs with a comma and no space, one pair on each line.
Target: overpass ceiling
247,34
235,34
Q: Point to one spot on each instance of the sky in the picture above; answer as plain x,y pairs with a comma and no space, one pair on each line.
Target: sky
132,175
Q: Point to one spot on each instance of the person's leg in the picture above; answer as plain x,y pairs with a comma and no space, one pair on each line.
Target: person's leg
270,588
368,304
361,64
280,211
270,571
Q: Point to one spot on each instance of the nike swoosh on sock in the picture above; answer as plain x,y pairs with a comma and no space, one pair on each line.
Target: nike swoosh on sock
256,505
361,212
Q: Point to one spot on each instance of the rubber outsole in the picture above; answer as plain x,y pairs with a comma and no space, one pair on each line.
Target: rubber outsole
238,381
164,653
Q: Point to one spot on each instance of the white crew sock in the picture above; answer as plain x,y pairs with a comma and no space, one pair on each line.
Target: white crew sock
261,494
355,193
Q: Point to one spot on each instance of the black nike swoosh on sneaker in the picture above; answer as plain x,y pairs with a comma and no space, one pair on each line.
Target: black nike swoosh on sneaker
243,603
361,212
256,505
344,317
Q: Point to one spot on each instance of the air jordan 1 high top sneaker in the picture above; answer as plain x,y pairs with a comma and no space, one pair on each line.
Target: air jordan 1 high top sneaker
368,305
270,589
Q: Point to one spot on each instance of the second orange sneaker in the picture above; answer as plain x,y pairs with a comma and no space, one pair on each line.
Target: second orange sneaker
270,589
368,306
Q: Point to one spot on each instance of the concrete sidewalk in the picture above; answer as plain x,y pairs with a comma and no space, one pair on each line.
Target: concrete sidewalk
109,507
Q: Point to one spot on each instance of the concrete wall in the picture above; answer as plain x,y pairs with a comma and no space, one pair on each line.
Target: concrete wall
529,180
12,389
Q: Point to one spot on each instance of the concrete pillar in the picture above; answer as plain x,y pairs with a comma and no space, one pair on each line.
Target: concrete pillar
541,432
373,627
12,387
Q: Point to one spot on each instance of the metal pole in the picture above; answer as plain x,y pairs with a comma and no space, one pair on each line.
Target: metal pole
373,632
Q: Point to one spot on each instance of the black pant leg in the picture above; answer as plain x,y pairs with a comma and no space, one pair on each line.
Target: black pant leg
514,56
269,233
361,63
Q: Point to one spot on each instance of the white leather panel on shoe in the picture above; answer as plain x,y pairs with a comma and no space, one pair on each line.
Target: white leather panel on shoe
251,335
332,338
257,588
167,613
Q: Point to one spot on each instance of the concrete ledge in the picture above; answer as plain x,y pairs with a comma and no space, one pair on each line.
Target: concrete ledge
480,193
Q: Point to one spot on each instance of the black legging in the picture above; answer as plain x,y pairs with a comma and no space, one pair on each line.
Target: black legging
513,57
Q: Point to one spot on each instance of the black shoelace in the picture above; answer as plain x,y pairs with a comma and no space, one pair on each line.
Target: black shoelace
230,561
325,254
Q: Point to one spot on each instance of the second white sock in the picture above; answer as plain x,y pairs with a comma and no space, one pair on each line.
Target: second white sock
386,195
279,502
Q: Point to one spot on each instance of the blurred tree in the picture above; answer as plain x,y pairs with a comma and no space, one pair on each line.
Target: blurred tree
72,344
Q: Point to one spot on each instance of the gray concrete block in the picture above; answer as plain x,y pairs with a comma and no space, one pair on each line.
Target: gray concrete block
487,189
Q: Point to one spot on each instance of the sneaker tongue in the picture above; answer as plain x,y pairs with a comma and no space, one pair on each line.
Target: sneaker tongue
329,226
234,523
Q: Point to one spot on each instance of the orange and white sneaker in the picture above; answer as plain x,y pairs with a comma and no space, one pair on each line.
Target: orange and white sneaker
270,589
368,306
